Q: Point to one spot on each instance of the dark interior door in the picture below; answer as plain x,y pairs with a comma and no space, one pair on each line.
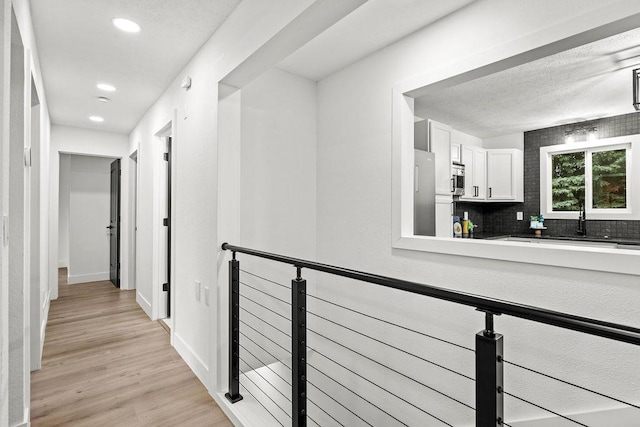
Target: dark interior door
114,225
168,224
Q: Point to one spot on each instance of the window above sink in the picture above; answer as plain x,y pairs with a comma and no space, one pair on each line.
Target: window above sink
599,174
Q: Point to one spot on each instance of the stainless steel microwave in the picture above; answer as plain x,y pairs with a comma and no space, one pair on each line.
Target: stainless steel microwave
457,180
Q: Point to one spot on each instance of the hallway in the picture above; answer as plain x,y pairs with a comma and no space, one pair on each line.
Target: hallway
106,363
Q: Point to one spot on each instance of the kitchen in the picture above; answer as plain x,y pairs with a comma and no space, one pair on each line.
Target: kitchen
578,100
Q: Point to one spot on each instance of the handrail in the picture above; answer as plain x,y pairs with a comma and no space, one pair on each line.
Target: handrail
586,325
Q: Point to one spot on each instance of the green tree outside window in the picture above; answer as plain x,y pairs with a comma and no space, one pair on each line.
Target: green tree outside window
608,182
609,179
568,183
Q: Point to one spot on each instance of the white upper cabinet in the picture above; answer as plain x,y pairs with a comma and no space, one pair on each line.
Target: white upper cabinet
440,144
505,175
456,155
475,173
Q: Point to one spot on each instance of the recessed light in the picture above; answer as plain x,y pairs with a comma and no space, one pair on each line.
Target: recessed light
96,119
126,25
103,99
105,87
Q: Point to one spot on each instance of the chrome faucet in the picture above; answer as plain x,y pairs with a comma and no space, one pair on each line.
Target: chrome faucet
582,221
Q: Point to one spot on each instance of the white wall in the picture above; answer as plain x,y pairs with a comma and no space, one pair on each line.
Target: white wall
4,206
70,140
14,400
278,199
353,180
514,140
193,115
277,194
89,209
354,221
19,216
63,216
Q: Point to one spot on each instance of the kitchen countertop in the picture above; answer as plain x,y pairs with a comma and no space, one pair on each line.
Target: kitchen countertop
576,238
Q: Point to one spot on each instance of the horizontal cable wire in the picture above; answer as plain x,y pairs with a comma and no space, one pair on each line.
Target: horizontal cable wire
390,392
266,293
265,307
265,322
328,414
267,381
394,347
332,398
544,409
258,400
265,350
391,323
263,392
264,278
571,384
268,367
353,392
394,370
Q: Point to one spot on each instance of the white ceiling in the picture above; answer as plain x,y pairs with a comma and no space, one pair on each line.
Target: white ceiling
588,82
371,27
78,47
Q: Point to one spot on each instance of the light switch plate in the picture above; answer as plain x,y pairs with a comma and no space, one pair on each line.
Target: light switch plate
519,216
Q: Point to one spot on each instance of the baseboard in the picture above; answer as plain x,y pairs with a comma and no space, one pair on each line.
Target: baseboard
234,416
45,317
25,422
609,417
144,303
43,329
86,278
63,264
191,358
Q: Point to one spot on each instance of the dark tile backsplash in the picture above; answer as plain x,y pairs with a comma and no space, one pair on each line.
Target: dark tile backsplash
501,217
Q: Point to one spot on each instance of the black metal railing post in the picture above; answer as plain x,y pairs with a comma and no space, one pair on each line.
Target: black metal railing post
299,350
489,376
234,331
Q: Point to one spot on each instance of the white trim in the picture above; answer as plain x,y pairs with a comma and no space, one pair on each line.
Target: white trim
63,264
623,417
232,412
86,278
144,303
632,212
25,422
194,362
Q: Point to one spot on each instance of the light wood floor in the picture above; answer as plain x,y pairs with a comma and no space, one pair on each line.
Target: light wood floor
106,363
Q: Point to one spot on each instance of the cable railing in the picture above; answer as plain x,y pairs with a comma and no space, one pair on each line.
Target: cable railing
295,354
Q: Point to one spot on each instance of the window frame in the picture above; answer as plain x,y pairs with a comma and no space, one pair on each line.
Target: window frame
631,212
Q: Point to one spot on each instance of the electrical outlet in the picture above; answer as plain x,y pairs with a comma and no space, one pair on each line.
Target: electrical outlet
206,295
197,289
519,216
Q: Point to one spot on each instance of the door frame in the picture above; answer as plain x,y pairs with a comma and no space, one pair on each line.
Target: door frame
134,185
164,266
118,221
